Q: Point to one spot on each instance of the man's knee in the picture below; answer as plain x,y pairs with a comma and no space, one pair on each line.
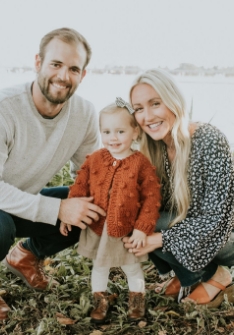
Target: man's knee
56,192
7,233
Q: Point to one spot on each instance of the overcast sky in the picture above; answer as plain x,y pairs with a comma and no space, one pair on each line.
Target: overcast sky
147,33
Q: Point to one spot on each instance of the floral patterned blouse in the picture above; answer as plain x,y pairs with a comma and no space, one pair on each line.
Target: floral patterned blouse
197,239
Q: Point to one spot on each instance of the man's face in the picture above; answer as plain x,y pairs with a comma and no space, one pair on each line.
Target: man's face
61,70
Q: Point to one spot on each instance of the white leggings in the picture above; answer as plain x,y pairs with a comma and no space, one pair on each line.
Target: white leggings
134,273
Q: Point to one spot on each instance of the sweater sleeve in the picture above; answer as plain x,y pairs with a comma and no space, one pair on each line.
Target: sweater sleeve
196,240
150,199
36,208
80,188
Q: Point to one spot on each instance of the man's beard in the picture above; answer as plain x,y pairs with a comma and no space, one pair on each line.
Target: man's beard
44,85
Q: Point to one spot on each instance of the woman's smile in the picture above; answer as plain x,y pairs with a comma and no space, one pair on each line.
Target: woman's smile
153,116
155,125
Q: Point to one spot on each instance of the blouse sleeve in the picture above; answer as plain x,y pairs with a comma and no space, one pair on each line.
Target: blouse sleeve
196,240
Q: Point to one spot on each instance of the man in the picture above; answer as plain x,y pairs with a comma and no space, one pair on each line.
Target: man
42,126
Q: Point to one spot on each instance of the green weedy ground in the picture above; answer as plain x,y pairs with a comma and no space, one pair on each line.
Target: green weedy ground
65,309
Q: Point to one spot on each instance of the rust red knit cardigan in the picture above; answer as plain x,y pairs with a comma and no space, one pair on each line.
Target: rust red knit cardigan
128,190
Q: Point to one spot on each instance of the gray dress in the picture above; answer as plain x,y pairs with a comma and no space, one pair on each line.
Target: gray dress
107,251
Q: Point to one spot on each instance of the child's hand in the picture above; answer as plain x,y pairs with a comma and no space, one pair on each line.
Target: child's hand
137,239
65,228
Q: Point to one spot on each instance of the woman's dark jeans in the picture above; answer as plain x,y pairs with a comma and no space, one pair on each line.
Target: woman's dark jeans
43,239
165,261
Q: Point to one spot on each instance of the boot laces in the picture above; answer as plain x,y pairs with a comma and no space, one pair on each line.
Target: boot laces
40,271
101,303
137,300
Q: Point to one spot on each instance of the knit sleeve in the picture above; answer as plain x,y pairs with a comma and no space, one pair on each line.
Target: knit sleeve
150,199
36,208
197,239
80,188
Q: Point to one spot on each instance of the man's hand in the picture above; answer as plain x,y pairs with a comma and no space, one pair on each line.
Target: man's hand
79,211
137,239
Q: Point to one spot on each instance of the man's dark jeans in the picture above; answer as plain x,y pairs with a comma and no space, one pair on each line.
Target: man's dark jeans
43,239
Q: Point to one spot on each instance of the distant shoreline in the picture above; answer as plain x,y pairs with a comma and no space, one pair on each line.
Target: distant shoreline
183,70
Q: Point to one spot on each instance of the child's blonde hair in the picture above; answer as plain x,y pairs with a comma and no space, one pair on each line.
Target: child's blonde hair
112,109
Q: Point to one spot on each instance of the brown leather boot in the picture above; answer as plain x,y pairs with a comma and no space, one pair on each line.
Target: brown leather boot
101,306
136,305
28,267
4,309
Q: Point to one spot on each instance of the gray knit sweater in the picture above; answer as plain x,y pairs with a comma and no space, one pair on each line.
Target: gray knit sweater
33,149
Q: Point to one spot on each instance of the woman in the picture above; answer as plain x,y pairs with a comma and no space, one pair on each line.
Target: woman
194,164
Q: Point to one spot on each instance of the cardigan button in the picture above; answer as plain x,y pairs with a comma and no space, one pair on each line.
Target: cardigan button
114,163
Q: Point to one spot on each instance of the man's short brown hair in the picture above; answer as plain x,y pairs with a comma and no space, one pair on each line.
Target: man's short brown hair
66,35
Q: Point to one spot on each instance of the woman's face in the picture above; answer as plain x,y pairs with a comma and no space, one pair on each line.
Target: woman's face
151,113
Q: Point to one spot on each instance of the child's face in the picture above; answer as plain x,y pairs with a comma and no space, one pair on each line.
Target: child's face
117,134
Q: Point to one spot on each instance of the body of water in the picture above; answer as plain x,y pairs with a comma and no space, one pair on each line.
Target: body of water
212,98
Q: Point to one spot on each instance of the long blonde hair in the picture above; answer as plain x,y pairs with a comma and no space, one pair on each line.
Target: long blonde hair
171,96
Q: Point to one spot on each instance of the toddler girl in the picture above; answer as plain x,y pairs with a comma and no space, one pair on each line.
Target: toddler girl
123,182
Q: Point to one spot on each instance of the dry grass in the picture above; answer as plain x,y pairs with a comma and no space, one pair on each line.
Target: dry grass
65,309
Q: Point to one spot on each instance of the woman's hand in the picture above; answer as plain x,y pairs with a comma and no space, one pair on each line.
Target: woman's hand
152,242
